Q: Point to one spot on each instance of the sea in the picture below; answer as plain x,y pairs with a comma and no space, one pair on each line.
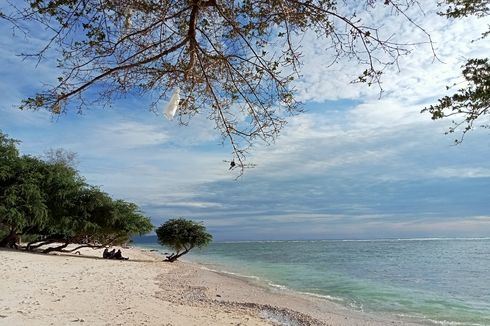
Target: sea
435,281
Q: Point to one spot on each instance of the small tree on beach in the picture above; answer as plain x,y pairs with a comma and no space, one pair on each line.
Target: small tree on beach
182,235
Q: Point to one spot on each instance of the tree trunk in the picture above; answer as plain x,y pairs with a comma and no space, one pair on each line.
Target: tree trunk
174,257
85,246
32,245
59,248
10,240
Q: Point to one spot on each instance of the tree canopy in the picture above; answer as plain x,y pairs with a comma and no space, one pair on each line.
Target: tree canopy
182,235
48,201
233,61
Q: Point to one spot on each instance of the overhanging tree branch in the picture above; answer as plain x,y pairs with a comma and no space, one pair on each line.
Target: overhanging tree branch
234,61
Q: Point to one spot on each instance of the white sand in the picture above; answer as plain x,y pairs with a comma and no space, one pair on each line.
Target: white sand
38,289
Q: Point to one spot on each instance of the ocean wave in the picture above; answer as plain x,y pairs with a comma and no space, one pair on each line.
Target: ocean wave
278,286
439,322
358,240
231,273
412,239
324,296
252,241
273,285
453,323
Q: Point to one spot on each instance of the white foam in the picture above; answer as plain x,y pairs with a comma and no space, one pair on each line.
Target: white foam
278,286
452,323
440,322
272,284
412,239
323,296
230,273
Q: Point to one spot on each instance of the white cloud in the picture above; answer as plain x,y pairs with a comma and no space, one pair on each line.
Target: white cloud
387,114
420,75
313,145
461,172
481,218
191,204
130,134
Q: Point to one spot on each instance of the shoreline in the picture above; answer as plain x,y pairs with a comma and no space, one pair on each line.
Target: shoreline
223,287
323,308
59,289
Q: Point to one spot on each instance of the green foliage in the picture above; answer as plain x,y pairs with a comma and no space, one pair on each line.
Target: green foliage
465,8
22,201
471,102
8,155
49,200
90,215
182,235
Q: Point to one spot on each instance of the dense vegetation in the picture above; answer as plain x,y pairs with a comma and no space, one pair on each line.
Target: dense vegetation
47,201
182,235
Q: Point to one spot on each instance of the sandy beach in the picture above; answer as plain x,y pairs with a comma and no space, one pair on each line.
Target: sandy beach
39,289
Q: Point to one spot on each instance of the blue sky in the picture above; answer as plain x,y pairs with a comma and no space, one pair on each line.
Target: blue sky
354,165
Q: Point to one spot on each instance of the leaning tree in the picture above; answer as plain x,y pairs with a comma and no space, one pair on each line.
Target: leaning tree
233,61
182,235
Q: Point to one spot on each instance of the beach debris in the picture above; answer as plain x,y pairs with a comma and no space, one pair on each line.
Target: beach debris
173,105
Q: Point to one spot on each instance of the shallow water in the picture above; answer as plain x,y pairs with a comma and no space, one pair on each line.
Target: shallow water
439,281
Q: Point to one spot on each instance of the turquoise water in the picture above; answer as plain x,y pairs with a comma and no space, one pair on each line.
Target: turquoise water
439,281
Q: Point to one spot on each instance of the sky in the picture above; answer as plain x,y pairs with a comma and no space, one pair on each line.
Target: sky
354,165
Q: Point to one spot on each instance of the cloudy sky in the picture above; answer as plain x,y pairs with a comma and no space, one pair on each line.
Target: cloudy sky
355,165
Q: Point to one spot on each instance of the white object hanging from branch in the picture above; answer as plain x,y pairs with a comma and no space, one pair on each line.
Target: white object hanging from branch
128,13
172,105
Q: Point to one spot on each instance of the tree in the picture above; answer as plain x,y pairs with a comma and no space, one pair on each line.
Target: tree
50,202
22,202
61,156
182,235
91,218
233,61
472,101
